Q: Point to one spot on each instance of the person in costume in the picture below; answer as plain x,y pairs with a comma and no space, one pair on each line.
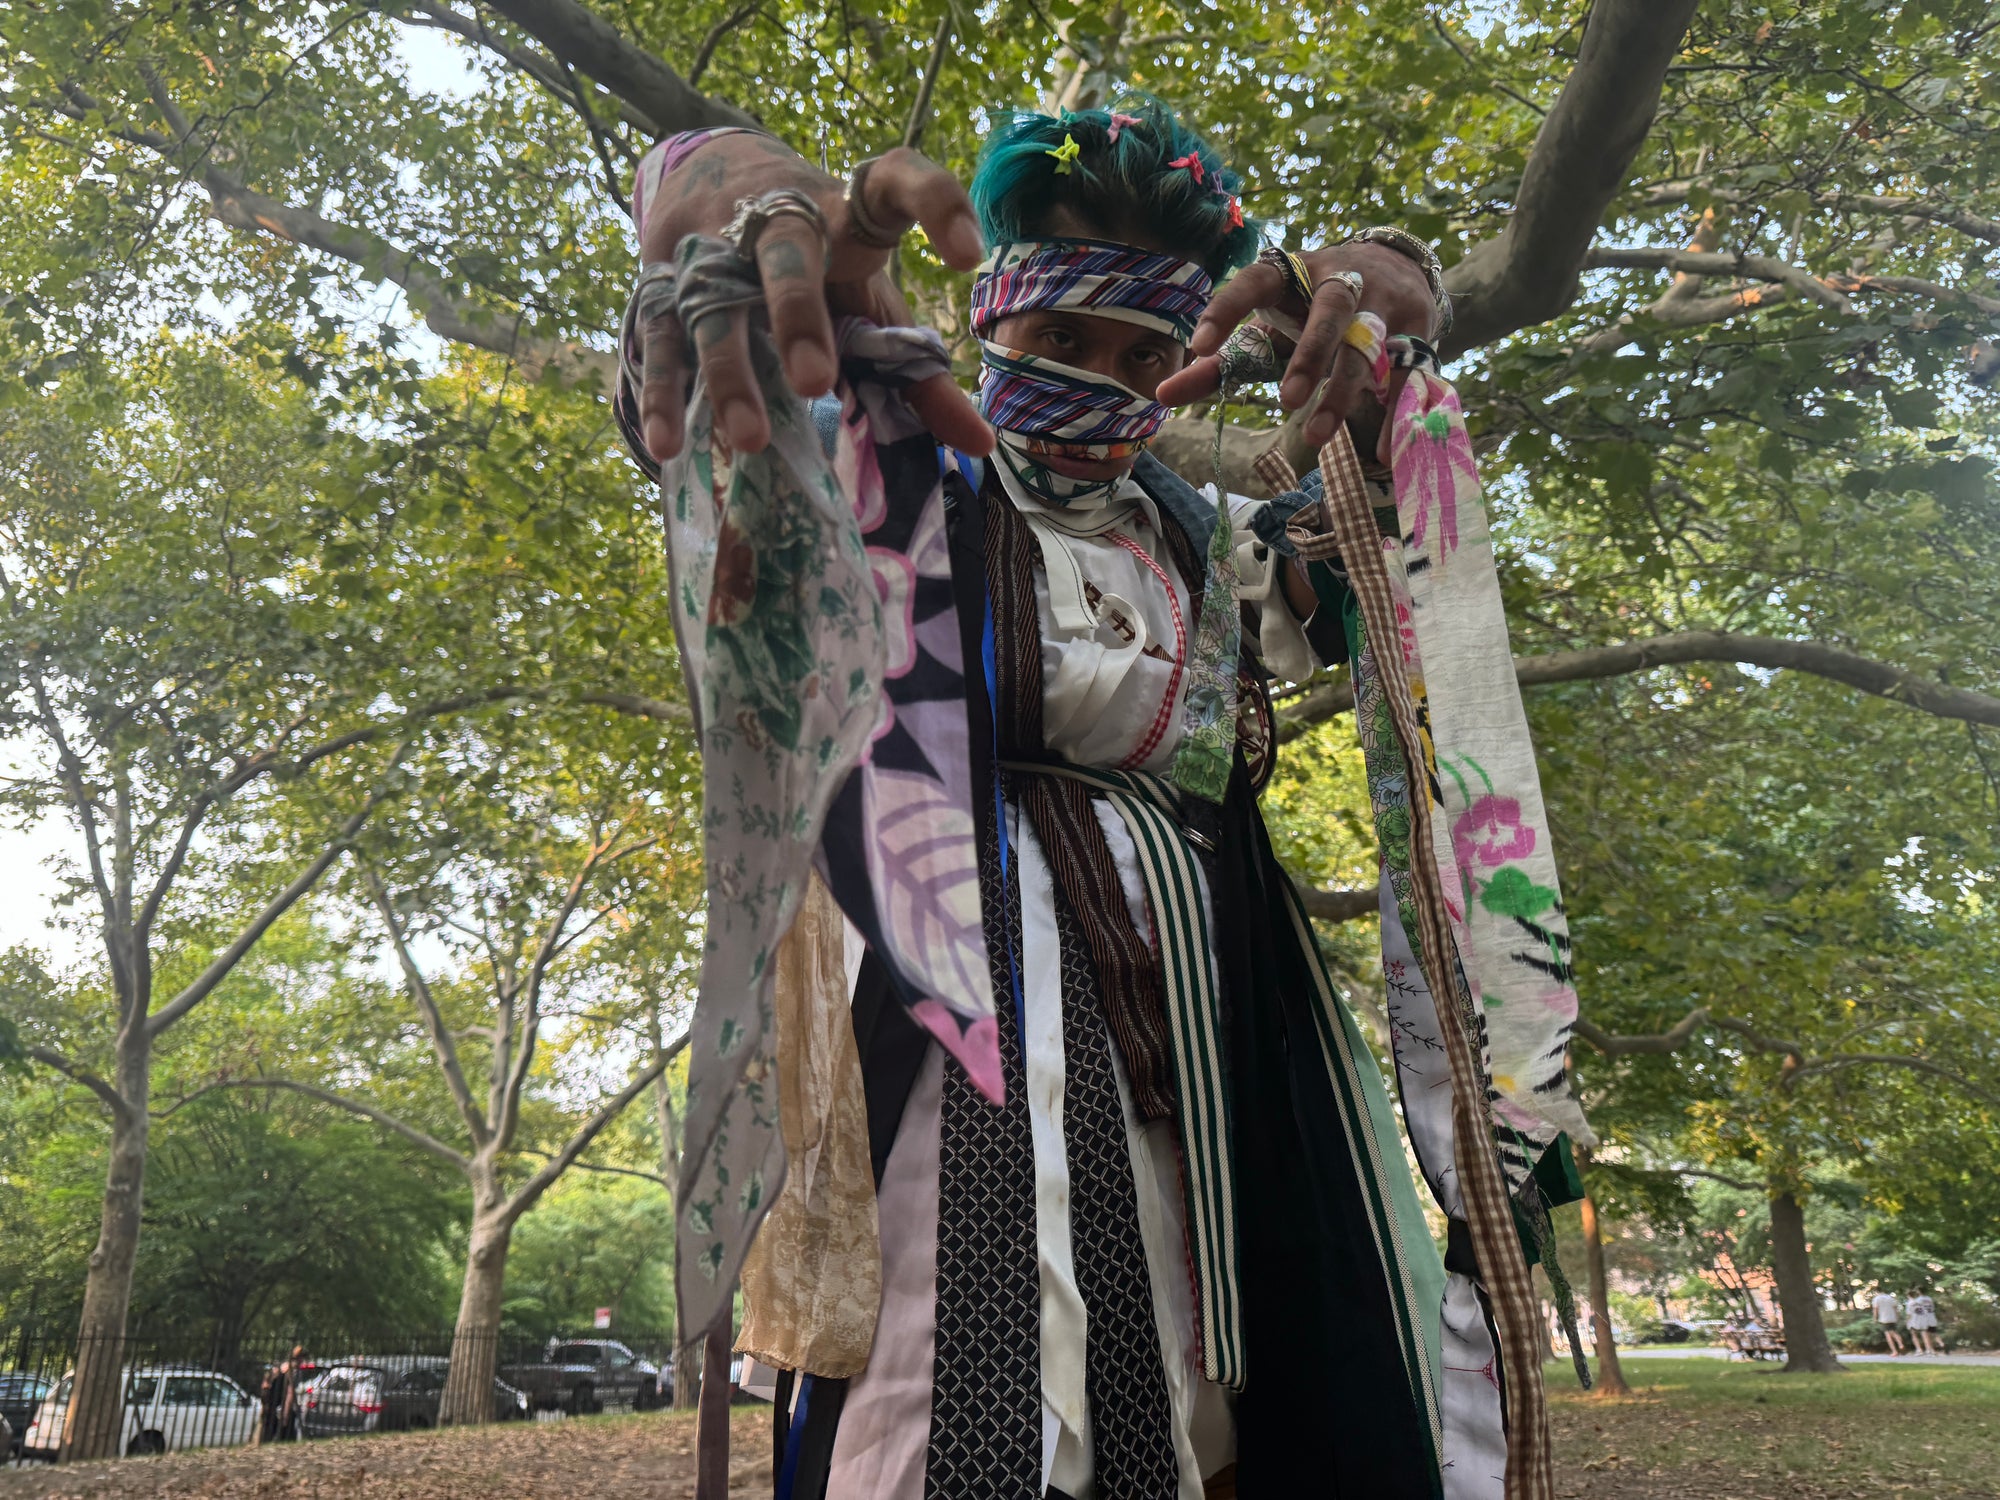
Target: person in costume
1124,1212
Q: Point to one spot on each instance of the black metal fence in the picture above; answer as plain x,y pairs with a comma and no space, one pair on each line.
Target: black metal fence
213,1387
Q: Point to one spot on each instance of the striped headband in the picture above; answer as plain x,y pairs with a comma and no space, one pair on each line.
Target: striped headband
1163,292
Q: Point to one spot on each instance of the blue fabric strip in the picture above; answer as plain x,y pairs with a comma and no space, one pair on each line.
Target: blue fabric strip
788,1477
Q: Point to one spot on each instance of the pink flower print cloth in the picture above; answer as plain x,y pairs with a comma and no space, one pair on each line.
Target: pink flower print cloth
1514,937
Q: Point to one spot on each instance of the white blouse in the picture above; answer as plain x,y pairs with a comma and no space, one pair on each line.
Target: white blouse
1117,624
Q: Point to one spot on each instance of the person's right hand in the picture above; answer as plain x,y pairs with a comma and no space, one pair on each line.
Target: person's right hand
804,286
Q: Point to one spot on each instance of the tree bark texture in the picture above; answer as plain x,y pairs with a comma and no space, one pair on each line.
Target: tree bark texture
1806,1346
475,1341
1610,1378
95,1420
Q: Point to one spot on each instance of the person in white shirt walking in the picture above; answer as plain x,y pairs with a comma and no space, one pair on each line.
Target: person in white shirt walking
1887,1317
1920,1316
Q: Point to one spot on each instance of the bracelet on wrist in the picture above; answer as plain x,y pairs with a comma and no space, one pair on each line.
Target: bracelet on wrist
1425,258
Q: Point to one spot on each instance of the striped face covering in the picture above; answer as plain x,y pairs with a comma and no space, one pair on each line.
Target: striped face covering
1039,406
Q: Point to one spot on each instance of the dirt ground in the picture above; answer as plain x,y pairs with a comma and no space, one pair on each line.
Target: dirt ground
1692,1430
633,1458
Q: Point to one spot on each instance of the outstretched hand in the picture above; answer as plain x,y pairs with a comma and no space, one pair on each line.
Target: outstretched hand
1392,287
807,282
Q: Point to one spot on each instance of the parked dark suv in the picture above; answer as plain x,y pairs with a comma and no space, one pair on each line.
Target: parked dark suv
20,1394
386,1393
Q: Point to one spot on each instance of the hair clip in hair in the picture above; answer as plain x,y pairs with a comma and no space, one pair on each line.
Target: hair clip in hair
1065,154
1192,162
1118,123
1235,213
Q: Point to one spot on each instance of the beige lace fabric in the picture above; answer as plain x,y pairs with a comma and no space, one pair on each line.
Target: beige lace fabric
812,1283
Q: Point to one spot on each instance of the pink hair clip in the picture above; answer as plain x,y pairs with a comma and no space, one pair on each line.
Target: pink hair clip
1191,162
1119,122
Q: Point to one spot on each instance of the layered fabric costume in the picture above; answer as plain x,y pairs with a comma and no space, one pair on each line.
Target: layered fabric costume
1144,1224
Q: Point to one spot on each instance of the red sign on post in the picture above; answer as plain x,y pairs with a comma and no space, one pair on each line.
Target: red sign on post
604,1317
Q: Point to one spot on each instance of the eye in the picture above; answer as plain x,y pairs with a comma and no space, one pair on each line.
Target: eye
1056,336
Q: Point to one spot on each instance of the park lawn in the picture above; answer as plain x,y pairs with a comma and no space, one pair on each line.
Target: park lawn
1710,1429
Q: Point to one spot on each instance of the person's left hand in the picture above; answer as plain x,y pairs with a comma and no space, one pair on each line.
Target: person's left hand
1392,287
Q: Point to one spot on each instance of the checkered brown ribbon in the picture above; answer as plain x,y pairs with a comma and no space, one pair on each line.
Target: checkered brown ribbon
1503,1270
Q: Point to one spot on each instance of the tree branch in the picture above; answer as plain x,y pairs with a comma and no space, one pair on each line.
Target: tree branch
1671,1040
1897,684
199,987
1336,906
525,1195
1890,1059
1718,263
435,17
447,315
705,53
1527,274
593,46
76,1072
1964,221
591,1166
433,1018
920,112
1736,1182
381,1117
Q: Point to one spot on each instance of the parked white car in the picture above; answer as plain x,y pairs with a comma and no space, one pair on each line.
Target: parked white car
167,1408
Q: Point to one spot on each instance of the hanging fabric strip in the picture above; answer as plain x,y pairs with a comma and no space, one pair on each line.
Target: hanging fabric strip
1503,1270
815,640
1496,832
1149,806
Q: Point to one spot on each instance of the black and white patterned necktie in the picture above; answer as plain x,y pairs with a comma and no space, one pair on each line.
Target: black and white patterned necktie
986,1389
1131,1415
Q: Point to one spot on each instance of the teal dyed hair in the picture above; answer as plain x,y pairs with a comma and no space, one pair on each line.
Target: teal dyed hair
1121,187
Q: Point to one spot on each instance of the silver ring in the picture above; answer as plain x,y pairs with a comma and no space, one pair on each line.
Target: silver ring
1349,279
754,215
861,221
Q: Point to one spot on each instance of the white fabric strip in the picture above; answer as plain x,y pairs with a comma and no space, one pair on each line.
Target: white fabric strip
1066,1448
883,1444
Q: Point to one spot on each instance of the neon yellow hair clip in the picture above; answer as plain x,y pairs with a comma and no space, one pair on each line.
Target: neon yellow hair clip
1065,154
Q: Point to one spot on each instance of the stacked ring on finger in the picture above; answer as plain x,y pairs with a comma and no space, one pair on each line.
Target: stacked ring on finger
1349,279
754,216
862,223
1292,269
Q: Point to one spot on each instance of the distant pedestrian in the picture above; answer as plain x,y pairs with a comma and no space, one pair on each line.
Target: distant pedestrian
1920,1314
1887,1316
271,1398
279,1397
289,1413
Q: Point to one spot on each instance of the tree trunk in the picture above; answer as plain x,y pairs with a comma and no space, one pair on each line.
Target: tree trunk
711,1432
96,1418
687,1376
475,1341
1806,1347
1610,1378
687,1358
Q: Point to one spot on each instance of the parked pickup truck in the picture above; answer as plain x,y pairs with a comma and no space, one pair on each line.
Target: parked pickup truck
581,1376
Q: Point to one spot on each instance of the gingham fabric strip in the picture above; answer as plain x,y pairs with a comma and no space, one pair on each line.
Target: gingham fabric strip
1489,1214
1148,805
1162,292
